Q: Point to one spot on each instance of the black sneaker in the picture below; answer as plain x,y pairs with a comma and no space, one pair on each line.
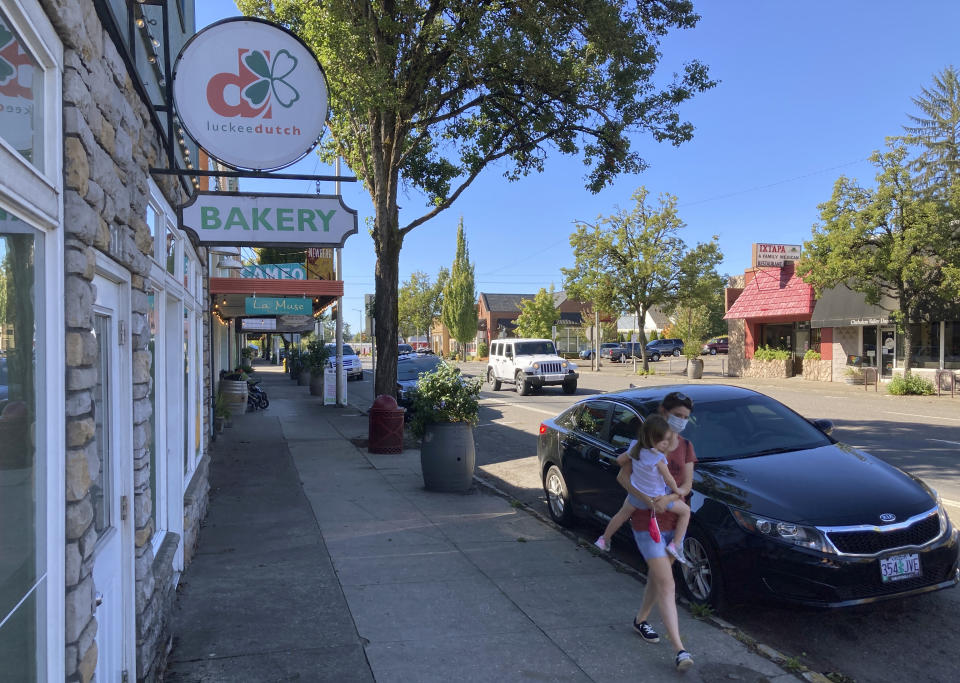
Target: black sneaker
646,631
684,660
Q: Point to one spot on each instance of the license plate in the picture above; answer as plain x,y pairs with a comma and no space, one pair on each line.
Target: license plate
554,378
899,567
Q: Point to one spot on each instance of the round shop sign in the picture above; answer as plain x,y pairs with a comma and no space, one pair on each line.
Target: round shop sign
251,94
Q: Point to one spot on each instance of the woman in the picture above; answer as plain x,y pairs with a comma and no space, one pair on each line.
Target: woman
660,591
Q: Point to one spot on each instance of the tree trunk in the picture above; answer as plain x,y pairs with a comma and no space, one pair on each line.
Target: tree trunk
641,319
387,243
905,320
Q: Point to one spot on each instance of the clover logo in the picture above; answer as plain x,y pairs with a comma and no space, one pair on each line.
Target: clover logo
6,68
272,78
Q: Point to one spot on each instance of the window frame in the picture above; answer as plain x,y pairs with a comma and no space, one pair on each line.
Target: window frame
36,197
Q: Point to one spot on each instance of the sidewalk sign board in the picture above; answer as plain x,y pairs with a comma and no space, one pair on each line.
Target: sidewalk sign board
330,385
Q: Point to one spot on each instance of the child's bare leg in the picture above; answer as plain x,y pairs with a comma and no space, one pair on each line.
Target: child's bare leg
617,521
682,511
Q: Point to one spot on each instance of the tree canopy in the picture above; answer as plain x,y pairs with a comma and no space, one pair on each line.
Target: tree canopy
421,302
935,133
893,239
459,308
639,255
538,316
426,94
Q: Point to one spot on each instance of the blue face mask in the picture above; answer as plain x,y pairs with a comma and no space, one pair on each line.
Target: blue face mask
677,424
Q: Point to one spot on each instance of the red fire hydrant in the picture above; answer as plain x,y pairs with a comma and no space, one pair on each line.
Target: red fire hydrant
386,426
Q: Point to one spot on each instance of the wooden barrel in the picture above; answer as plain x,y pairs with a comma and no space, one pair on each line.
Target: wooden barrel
234,395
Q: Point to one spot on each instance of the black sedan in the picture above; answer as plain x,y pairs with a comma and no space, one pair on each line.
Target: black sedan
781,509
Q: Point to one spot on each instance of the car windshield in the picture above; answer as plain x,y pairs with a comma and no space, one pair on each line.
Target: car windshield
747,427
539,348
410,368
347,350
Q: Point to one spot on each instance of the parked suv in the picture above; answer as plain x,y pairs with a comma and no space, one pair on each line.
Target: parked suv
614,353
586,353
351,361
716,345
530,364
664,347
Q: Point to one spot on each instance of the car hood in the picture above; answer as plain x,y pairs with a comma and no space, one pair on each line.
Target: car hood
539,358
833,485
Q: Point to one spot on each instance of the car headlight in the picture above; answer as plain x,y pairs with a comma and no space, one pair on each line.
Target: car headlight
564,364
536,366
784,532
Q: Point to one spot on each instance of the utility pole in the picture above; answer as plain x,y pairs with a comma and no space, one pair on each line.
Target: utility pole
340,387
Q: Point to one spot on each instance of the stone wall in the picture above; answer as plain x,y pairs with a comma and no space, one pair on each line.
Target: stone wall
769,369
736,358
846,342
109,146
818,370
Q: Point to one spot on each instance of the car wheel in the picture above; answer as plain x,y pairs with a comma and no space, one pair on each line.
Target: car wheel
493,380
523,388
713,352
570,387
655,357
701,581
558,497
676,352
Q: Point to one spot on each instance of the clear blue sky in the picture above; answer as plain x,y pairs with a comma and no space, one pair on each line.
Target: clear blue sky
807,92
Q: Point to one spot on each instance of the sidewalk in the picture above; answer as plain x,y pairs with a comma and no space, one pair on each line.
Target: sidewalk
319,561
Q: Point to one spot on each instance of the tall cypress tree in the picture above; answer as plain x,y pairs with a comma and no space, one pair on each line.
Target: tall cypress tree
459,312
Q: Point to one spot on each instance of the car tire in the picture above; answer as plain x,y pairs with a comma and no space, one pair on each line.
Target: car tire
559,504
570,387
713,352
523,388
655,357
676,352
492,379
702,583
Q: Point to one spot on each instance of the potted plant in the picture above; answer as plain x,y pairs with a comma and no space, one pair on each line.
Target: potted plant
221,413
294,364
444,411
315,362
691,349
233,389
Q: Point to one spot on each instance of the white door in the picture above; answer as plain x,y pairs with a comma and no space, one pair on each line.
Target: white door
111,492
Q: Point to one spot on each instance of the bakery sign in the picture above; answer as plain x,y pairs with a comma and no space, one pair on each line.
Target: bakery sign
251,94
767,255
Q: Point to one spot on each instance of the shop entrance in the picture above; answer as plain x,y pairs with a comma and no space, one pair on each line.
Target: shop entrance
111,492
887,347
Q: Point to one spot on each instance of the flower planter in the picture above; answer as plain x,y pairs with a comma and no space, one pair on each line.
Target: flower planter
769,369
694,368
817,370
447,456
219,424
235,395
316,383
303,378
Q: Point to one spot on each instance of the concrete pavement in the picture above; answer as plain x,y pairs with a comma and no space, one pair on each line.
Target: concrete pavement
322,562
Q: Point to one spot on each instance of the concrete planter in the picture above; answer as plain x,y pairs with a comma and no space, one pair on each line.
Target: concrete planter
447,456
303,379
817,370
694,368
316,384
769,369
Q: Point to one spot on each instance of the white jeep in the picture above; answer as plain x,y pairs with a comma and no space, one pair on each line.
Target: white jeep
530,364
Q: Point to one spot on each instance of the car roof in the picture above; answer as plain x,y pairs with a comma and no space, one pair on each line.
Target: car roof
645,398
526,340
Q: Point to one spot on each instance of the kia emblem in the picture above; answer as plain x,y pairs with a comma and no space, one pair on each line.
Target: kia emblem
888,517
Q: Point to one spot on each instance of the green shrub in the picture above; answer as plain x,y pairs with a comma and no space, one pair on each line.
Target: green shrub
910,385
444,395
316,356
767,353
653,336
482,350
811,355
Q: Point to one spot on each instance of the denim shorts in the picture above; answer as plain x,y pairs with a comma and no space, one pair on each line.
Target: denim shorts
648,548
640,505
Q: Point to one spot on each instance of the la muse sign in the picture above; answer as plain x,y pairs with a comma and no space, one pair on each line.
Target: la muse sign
269,219
251,94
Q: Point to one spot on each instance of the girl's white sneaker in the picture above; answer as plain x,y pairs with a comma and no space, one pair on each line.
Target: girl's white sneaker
602,544
677,554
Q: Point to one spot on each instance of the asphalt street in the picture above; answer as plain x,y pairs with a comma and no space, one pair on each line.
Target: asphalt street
891,641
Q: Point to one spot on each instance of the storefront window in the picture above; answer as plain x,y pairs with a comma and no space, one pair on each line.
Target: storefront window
925,345
22,478
21,96
869,352
152,224
777,336
951,345
171,251
186,390
151,436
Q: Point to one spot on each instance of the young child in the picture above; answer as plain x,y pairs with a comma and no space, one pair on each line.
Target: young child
651,477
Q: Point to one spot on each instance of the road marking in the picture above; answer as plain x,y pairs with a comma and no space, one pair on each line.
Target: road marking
955,443
929,417
551,413
495,424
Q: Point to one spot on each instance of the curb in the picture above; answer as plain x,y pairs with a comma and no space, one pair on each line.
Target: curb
788,665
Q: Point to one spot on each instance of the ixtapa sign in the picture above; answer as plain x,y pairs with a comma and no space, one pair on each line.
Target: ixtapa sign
251,94
268,219
775,255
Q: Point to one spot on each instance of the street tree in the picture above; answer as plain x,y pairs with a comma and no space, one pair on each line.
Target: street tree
692,324
538,316
425,96
420,301
640,254
934,132
893,240
459,313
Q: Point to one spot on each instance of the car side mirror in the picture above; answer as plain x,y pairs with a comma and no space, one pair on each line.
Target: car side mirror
824,425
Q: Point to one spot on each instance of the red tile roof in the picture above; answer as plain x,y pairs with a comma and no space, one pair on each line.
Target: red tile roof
773,293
